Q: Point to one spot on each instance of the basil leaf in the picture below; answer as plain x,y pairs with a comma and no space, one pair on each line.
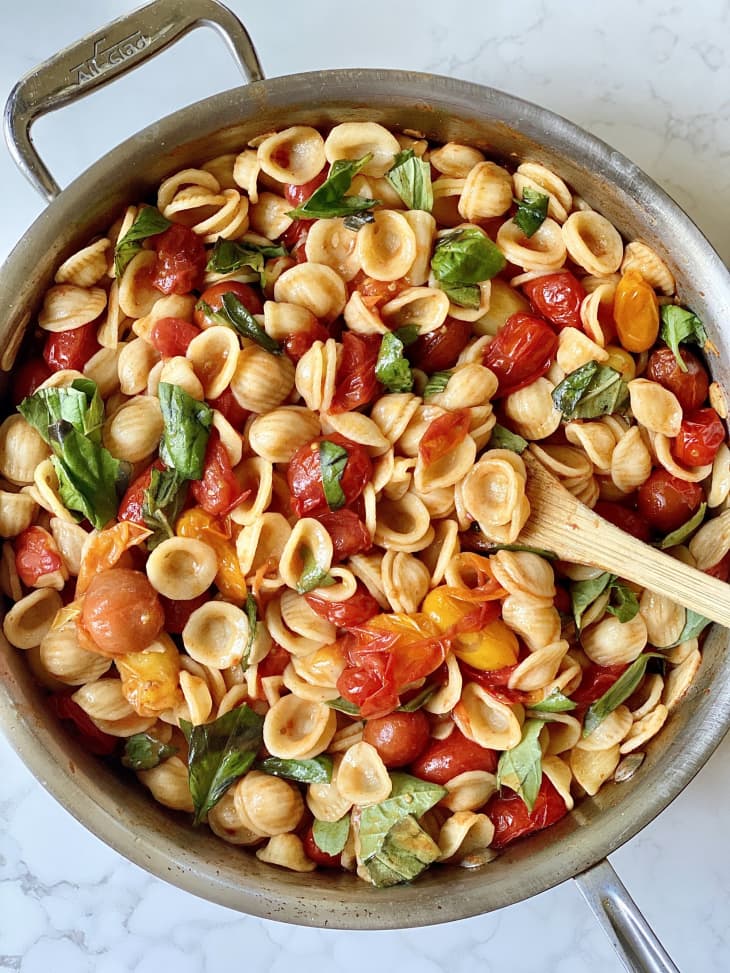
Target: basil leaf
623,603
228,255
251,616
406,852
584,593
411,179
531,211
391,368
219,753
408,796
436,383
556,702
356,221
418,701
694,625
333,460
143,752
87,474
312,576
521,767
78,404
466,256
407,334
502,438
162,504
318,770
616,694
149,222
590,391
343,706
329,199
678,325
466,295
246,324
331,836
686,530
187,425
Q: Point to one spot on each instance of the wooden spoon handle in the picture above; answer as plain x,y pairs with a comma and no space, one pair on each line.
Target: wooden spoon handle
560,523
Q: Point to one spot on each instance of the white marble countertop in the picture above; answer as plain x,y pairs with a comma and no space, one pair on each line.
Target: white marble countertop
651,77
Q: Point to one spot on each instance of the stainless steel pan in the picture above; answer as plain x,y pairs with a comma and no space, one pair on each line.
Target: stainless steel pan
113,807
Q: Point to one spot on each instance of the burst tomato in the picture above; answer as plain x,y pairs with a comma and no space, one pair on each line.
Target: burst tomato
557,297
690,386
439,349
355,381
71,349
512,820
305,475
349,534
665,502
399,738
454,755
521,352
181,259
133,500
443,434
213,297
121,613
37,558
356,610
82,726
218,491
27,377
171,336
700,436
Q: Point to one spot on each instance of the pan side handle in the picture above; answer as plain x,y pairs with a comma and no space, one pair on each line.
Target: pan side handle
631,935
108,53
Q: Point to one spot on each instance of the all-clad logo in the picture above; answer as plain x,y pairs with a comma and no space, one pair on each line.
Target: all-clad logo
104,58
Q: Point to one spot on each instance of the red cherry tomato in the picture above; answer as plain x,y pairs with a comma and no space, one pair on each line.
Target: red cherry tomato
305,475
624,518
700,436
218,491
456,754
229,408
349,534
71,349
595,681
439,349
521,352
27,377
297,195
177,613
299,343
171,336
399,738
665,502
443,434
121,612
36,555
355,381
557,297
131,506
181,259
315,853
355,610
512,820
213,297
690,387
82,727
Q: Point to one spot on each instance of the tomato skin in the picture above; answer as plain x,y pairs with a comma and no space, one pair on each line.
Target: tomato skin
521,352
355,381
439,349
305,475
131,506
121,612
181,259
36,555
297,195
456,754
171,336
443,434
666,502
689,387
229,408
355,610
218,490
177,613
27,377
299,343
213,297
700,436
399,738
315,853
557,297
512,820
624,518
349,534
82,726
71,349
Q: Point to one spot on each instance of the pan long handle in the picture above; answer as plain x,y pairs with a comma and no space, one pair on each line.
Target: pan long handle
630,934
107,54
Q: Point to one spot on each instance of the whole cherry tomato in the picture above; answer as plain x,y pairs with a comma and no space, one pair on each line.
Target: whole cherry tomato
37,559
454,755
595,681
27,377
121,613
557,297
349,534
355,610
171,336
666,502
399,738
636,312
213,297
624,518
71,349
315,853
512,820
305,475
690,386
229,408
700,436
521,352
443,434
299,343
82,727
181,259
439,349
355,381
177,613
131,506
297,195
218,491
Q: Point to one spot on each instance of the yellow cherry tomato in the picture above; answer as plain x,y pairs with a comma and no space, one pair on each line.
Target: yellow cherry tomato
622,361
202,526
636,312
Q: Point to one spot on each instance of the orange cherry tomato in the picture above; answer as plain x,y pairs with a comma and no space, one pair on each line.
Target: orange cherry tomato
121,613
636,312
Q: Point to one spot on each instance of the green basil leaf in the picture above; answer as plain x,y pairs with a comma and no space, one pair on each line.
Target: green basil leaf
329,199
466,295
331,836
502,438
556,702
333,460
678,325
584,593
251,617
187,425
521,767
87,474
466,256
616,694
407,334
417,701
246,324
694,625
356,221
149,222
408,796
407,850
590,391
391,368
688,528
318,770
228,255
312,576
623,603
436,384
162,504
411,179
78,404
143,752
531,211
219,753
343,706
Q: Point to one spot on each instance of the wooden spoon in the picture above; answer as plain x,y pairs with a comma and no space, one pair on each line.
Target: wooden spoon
560,523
